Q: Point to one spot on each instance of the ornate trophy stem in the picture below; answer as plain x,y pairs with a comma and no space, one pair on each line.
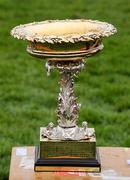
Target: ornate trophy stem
68,108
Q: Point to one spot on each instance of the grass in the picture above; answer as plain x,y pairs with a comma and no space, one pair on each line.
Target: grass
28,96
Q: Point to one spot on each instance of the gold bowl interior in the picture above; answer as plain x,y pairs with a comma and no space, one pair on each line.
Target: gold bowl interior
62,28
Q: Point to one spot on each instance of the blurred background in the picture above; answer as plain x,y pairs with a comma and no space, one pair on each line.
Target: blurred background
28,96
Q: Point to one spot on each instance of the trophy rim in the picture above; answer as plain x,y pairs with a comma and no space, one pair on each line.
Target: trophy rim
98,30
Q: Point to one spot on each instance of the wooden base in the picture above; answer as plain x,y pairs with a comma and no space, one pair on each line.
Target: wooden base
69,164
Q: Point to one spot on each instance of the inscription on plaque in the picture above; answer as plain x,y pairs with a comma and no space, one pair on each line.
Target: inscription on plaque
84,149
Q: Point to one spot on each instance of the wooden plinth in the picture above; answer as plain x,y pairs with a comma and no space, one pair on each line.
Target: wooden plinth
72,164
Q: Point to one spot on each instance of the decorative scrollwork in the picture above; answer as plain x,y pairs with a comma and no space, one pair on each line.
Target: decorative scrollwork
73,133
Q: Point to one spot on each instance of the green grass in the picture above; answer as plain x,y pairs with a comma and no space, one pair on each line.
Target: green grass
28,96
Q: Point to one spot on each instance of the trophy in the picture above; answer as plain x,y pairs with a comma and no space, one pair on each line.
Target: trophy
65,44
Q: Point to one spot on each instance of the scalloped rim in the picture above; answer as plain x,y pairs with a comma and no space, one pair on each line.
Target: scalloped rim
107,30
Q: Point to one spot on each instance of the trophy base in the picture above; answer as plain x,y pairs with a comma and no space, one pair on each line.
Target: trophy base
84,148
66,163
